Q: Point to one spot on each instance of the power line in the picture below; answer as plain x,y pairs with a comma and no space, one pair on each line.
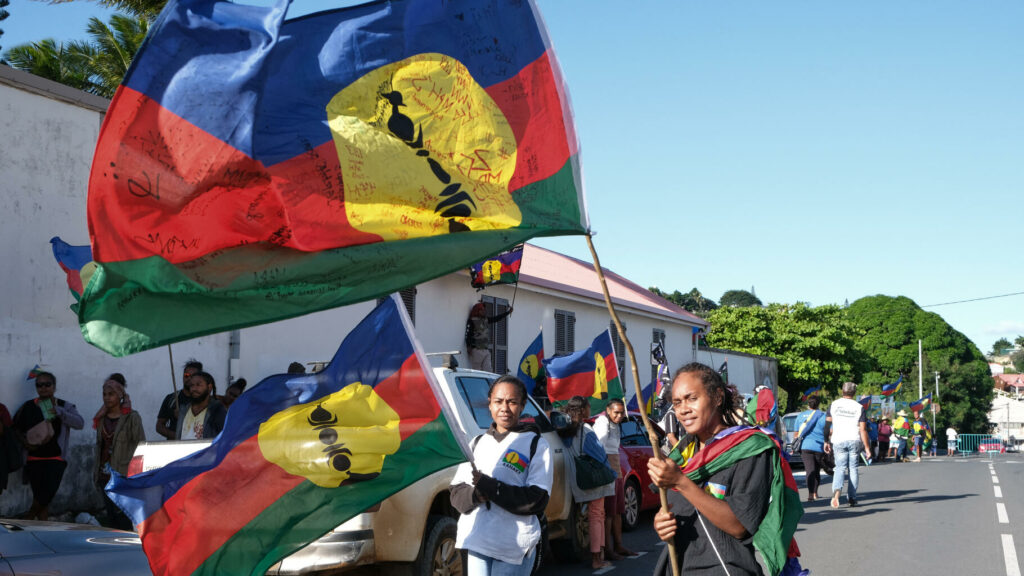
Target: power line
974,299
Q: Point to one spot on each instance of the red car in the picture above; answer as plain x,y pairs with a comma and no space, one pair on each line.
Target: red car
635,448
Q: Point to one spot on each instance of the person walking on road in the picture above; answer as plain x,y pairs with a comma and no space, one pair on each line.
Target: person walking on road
608,432
901,428
811,434
846,435
884,433
951,440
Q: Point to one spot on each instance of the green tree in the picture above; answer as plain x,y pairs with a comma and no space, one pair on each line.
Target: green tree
813,345
890,328
739,299
1019,341
96,66
60,62
148,9
1017,358
1000,345
4,13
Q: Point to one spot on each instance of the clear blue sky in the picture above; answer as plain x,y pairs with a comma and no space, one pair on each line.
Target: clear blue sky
817,151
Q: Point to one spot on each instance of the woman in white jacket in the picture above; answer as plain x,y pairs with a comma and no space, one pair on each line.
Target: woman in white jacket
503,490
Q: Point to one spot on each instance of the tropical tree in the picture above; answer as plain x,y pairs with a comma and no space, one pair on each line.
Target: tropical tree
1017,358
148,9
1019,341
739,299
1000,345
60,62
890,328
96,66
813,345
4,13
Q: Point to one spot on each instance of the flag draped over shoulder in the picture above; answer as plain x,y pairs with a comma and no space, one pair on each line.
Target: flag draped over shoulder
890,389
77,264
531,366
762,408
774,537
501,269
299,455
592,373
253,168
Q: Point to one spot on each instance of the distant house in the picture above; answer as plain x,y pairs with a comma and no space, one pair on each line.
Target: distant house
1013,383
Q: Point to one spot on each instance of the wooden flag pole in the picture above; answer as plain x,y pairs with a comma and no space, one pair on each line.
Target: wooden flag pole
655,443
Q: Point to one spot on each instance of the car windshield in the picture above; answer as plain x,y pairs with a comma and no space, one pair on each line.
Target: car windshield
474,391
633,434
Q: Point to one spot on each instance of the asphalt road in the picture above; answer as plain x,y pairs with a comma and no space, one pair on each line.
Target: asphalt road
942,516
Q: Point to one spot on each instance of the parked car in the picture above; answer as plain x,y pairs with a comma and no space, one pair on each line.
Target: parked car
790,424
415,528
634,452
992,445
31,547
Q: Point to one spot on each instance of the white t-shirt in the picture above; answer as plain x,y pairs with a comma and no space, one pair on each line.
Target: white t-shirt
608,433
847,414
192,426
493,531
950,435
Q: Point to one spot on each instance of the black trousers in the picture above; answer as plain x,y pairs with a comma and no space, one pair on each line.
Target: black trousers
44,477
813,463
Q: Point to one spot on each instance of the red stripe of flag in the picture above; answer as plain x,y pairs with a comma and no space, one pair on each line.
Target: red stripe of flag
234,493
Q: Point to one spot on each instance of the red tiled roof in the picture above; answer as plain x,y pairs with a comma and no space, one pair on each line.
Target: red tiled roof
1010,379
549,269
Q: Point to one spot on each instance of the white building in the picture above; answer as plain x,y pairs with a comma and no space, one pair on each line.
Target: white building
50,132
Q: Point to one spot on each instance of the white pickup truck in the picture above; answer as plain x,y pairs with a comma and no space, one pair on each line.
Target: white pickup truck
413,531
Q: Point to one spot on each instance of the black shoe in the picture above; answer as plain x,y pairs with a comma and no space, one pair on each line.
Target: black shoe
852,502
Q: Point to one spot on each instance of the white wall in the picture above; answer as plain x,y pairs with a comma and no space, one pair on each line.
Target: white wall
45,158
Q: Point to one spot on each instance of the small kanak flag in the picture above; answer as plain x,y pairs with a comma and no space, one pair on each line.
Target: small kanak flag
648,395
890,389
921,403
865,402
810,392
502,269
531,367
299,455
592,373
76,262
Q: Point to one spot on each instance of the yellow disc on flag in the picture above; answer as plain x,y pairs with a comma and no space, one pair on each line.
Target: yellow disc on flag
424,151
343,436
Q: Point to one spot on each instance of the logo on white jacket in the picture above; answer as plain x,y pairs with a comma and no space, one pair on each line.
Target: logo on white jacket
515,461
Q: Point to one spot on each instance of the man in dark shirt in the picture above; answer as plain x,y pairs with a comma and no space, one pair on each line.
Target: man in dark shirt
167,417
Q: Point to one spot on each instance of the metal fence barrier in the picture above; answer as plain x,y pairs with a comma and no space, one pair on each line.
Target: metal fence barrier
967,444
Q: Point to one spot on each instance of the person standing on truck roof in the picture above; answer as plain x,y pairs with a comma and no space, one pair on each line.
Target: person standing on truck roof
167,417
478,336
118,432
202,417
501,493
607,429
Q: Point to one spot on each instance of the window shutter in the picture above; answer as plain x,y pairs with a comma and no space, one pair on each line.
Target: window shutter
408,297
620,348
565,332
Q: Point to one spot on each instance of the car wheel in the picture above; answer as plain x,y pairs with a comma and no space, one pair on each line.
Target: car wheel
439,557
631,519
576,544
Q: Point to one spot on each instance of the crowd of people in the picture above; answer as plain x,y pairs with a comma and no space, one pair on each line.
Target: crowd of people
35,440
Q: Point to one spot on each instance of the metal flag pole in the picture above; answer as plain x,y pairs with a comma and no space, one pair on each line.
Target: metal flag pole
662,493
174,381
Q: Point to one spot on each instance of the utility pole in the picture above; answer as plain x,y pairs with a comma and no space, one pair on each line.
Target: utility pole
920,372
934,404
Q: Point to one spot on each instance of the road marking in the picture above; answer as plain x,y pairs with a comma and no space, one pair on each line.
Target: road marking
1010,556
612,567
999,491
995,479
1001,512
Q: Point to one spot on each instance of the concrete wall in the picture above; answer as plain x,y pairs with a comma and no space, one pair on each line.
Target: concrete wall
48,141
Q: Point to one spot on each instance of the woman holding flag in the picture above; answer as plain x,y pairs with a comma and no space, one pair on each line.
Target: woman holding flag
733,494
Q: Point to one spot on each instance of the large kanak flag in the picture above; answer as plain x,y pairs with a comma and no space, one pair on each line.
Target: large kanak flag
253,167
299,455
